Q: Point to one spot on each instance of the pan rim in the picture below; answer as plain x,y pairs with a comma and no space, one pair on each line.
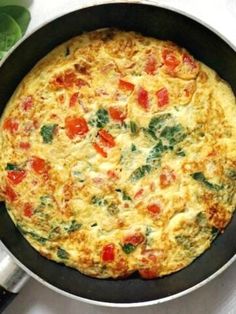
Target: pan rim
121,305
38,278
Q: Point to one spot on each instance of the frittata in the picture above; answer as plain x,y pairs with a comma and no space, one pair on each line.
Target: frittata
118,155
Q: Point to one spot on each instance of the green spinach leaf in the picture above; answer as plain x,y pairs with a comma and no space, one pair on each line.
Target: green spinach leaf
140,172
47,132
128,248
200,177
62,254
101,119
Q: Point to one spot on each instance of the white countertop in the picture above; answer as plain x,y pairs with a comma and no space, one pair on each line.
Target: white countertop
217,297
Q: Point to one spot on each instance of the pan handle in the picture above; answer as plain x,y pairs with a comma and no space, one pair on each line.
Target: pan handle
12,279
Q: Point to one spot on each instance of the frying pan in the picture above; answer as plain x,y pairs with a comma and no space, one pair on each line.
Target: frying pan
21,258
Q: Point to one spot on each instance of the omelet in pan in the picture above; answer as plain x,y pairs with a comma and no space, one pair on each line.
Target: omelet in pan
118,155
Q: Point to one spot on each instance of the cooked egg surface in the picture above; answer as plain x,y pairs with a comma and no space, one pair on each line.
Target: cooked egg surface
118,154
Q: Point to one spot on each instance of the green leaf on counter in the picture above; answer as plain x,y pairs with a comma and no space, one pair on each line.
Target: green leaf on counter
20,14
10,32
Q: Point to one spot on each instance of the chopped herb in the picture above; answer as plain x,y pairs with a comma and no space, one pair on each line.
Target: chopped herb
101,119
46,200
156,152
128,248
184,241
10,166
113,209
98,201
62,254
126,197
140,172
133,148
133,127
94,225
201,219
173,134
156,124
232,174
148,231
74,226
180,152
214,232
35,236
199,176
47,132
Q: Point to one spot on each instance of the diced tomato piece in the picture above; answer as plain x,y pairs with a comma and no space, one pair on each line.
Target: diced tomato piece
107,138
28,210
117,114
11,195
126,85
134,239
154,208
112,175
76,126
38,165
151,65
11,125
108,252
189,60
16,176
167,178
27,103
66,80
139,193
162,97
148,273
69,79
100,150
73,99
143,98
24,145
170,59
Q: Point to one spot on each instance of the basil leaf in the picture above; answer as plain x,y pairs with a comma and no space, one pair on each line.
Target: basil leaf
62,254
133,148
20,14
10,32
47,132
128,248
140,172
200,177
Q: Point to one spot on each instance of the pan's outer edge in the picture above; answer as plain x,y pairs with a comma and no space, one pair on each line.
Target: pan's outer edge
136,304
122,305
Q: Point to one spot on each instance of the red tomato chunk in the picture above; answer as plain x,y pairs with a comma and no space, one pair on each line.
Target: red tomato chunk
108,253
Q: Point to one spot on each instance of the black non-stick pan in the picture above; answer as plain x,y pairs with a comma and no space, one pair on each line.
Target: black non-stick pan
149,20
